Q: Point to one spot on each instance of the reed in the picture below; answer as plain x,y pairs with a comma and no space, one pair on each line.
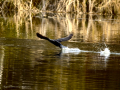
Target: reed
109,7
69,6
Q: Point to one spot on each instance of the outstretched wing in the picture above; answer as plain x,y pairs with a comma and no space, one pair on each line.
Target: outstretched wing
57,41
64,39
41,36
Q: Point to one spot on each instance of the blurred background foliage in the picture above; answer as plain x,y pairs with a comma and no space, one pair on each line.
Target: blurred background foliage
71,6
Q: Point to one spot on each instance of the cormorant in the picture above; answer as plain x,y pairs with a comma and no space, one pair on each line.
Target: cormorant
56,42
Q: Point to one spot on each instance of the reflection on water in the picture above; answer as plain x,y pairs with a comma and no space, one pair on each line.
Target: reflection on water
27,62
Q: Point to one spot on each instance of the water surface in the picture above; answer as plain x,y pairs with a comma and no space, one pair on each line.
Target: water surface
29,63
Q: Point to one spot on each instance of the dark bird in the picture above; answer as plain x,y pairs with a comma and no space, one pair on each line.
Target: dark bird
56,42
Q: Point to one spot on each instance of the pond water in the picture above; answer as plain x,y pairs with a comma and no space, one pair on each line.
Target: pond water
30,63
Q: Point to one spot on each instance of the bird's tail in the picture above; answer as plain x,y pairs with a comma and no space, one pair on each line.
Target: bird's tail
42,37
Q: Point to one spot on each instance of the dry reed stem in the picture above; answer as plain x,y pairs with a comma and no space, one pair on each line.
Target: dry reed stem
85,6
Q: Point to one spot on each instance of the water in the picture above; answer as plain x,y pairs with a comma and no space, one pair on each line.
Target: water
29,63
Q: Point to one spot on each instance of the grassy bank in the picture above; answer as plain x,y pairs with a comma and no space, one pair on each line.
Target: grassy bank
71,6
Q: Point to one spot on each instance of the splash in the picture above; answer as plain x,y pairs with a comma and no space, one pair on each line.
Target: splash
105,52
71,50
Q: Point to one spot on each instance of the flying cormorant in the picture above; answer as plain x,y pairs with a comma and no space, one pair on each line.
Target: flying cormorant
56,42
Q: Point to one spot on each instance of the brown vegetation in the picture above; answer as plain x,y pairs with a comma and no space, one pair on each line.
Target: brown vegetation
78,6
87,25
